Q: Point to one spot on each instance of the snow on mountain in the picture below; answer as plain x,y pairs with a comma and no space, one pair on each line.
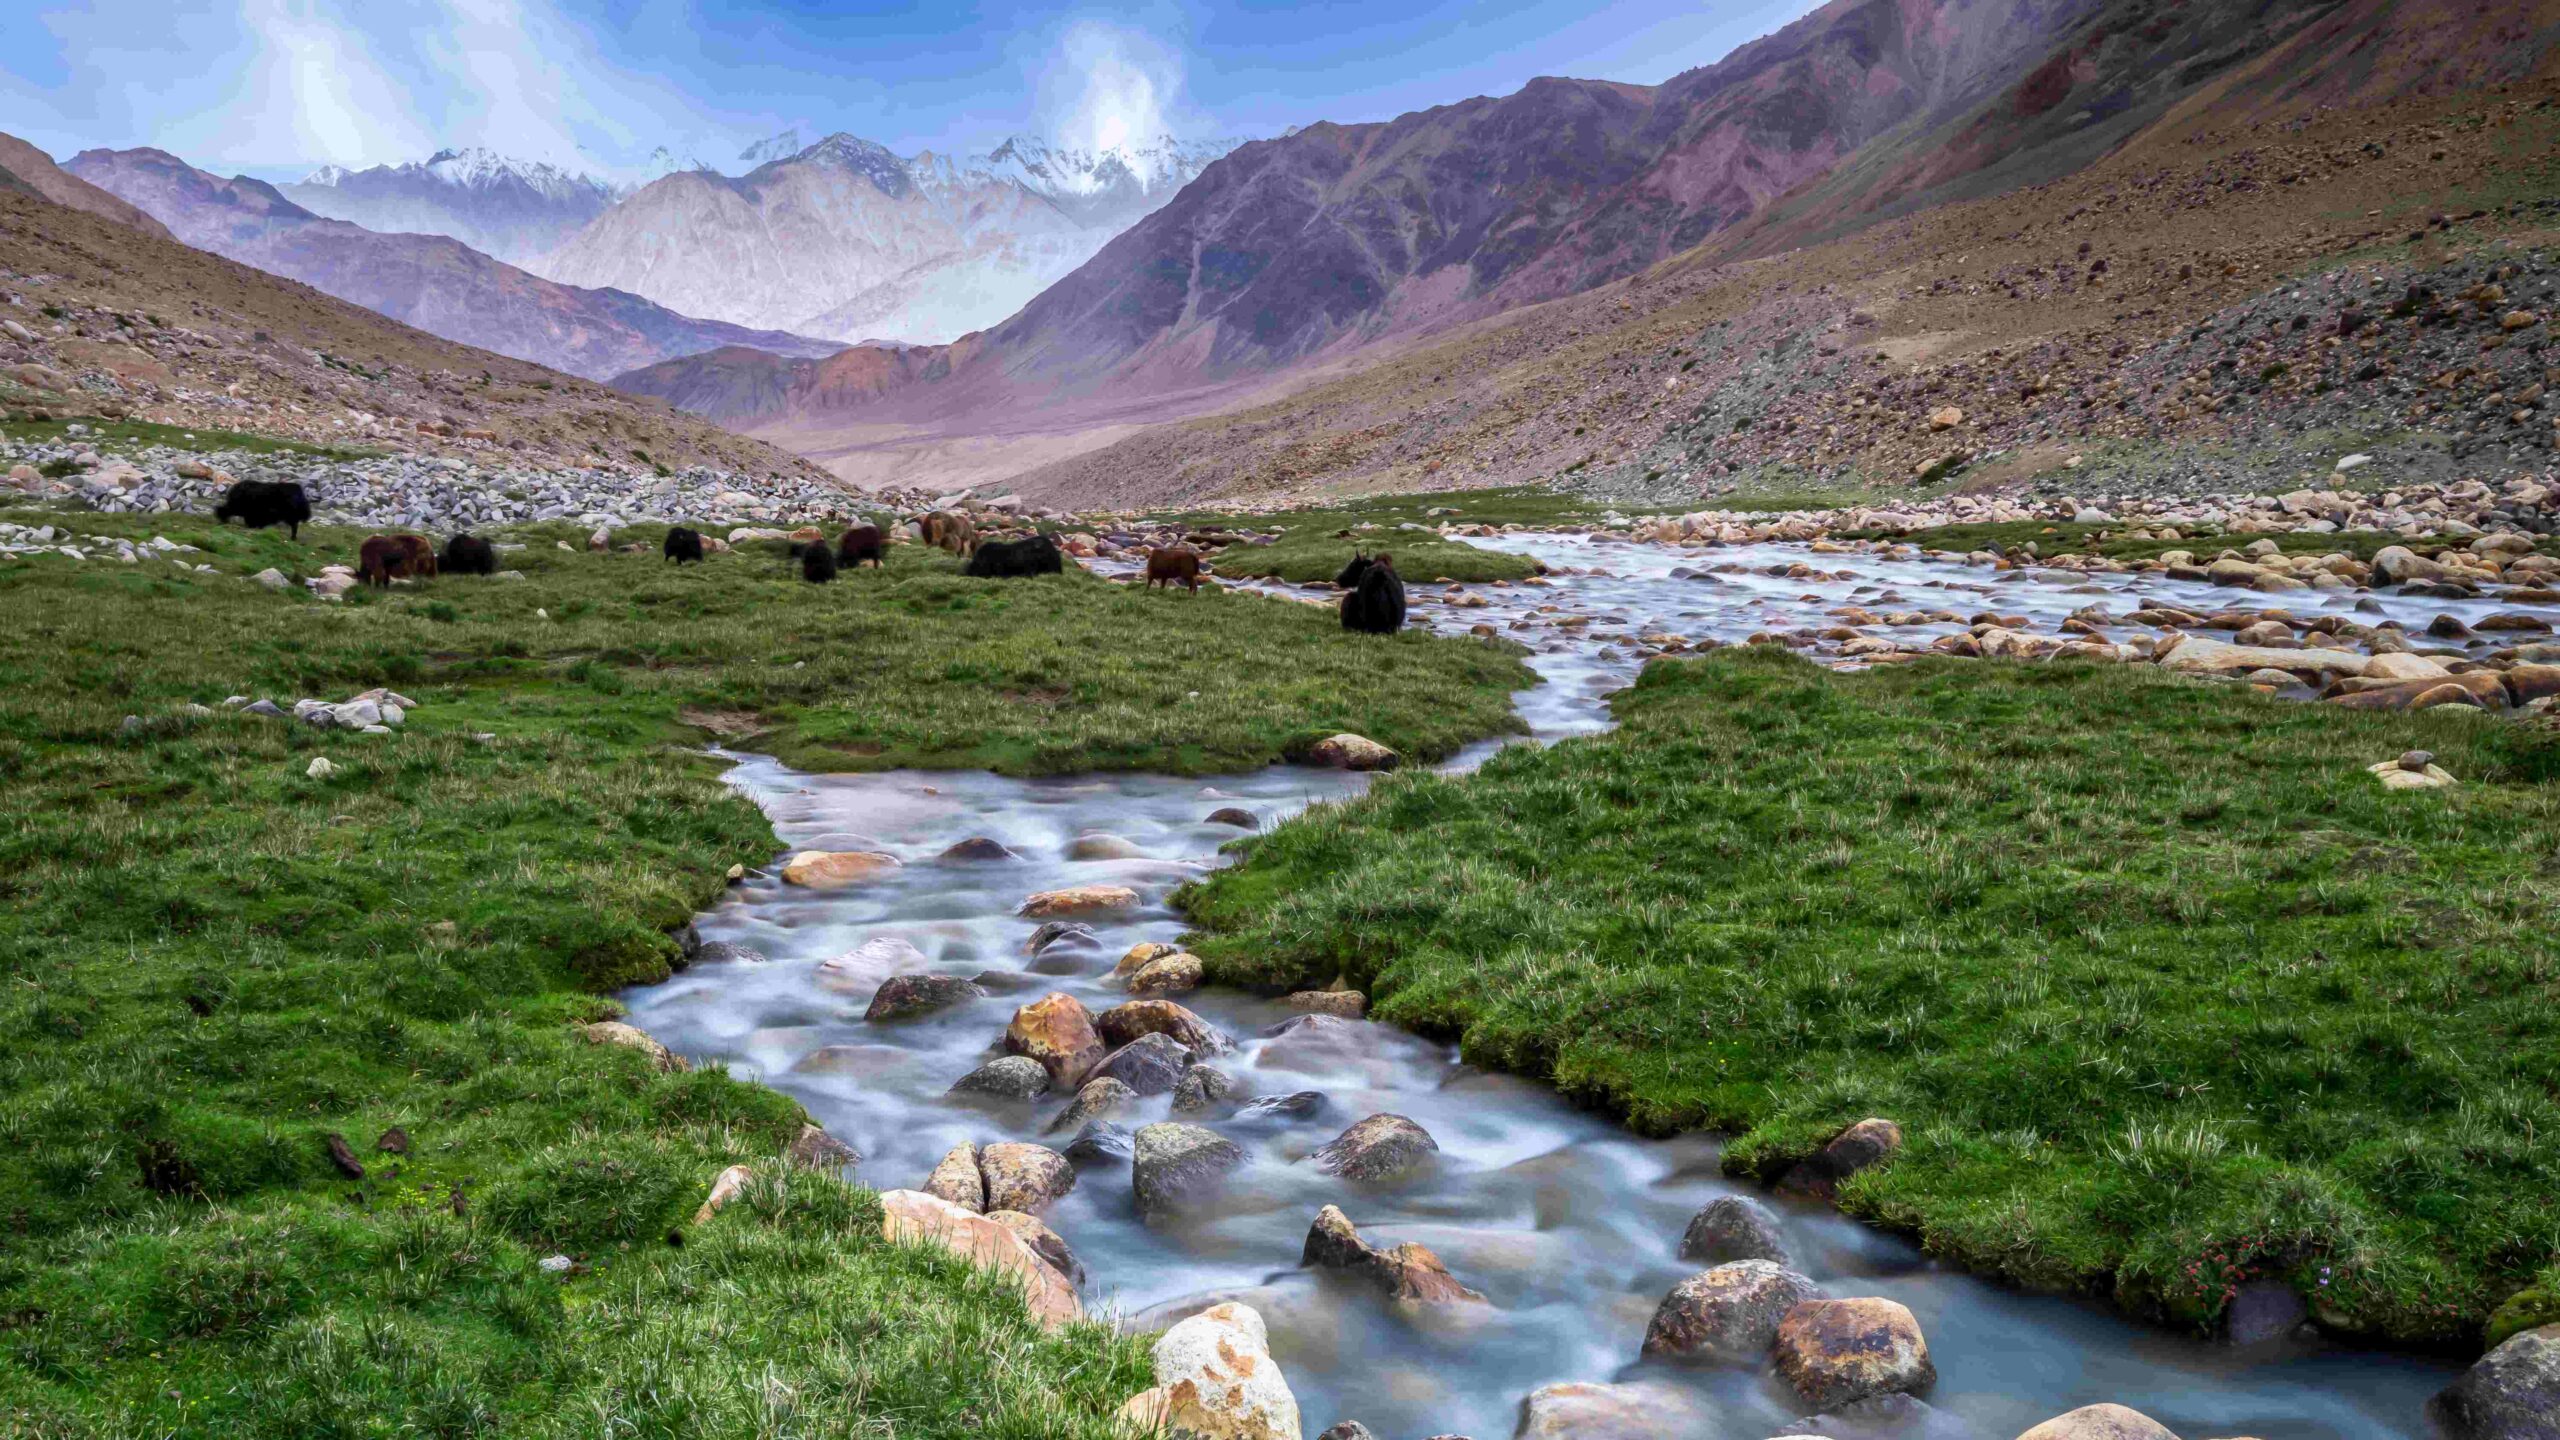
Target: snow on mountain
515,210
845,238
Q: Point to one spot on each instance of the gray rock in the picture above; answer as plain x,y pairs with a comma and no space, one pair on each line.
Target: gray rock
902,997
2262,1311
1148,1065
1015,1077
1071,933
1284,1109
723,952
1101,1143
815,1149
1201,1087
1381,1147
1731,1228
2511,1393
1028,1178
1729,1313
1176,1166
1097,1099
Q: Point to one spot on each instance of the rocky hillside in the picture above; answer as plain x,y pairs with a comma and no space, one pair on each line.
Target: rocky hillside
98,319
513,210
437,284
843,238
37,175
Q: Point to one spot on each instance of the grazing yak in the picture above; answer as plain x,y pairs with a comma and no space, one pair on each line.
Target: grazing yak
258,504
817,562
947,530
468,554
1013,559
1174,565
860,543
1375,605
683,543
382,559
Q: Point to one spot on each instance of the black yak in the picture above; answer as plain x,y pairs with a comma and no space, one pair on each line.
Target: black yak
817,562
468,554
1377,606
261,503
683,543
1349,579
860,543
382,559
1174,565
1013,559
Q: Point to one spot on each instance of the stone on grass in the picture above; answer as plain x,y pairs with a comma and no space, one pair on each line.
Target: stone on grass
1733,1227
913,1217
1175,1166
2101,1422
1014,1077
2396,775
1381,1147
1028,1178
1868,1143
1057,1031
1838,1351
320,768
835,869
1352,752
814,1149
629,1036
1729,1313
1216,1380
725,1187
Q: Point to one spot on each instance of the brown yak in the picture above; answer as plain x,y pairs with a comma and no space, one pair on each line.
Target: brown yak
949,530
1172,565
382,559
860,543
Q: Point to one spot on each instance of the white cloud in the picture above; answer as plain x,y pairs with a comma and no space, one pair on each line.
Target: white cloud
1109,87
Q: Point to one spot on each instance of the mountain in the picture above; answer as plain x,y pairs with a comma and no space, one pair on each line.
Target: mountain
121,319
436,284
844,238
514,210
37,175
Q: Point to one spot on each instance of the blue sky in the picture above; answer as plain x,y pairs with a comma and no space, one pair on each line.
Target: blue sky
277,86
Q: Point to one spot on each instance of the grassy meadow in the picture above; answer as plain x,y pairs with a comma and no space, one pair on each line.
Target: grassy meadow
215,963
2166,992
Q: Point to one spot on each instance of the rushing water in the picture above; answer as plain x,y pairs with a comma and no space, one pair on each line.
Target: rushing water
1568,1225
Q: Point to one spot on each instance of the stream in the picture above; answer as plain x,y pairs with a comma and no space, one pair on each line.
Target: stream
1569,1225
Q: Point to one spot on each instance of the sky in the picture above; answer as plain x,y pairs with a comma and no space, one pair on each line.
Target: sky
277,87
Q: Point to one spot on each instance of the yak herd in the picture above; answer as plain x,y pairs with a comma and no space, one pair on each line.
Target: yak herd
1374,603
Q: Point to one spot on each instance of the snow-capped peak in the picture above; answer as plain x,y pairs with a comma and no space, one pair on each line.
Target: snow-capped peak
771,148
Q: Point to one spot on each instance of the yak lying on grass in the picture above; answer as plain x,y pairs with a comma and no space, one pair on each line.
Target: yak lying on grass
860,543
1375,605
1174,565
261,503
1014,559
683,543
382,559
468,554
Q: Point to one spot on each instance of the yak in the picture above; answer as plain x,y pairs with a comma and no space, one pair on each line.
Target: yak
1013,559
860,543
1174,565
1376,607
468,554
382,559
683,543
817,562
949,531
1349,579
260,503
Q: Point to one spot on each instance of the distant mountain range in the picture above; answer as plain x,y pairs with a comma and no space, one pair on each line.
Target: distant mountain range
514,210
844,238
433,282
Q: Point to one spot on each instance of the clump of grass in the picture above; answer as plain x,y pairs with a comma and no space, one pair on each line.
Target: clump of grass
2167,994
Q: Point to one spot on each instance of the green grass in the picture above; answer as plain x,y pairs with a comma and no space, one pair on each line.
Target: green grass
118,436
2166,991
1419,558
214,962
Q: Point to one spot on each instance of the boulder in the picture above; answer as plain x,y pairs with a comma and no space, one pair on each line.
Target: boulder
1068,933
1137,957
1352,752
2511,1393
1731,1228
1345,1004
1174,1165
1104,847
2262,1311
814,1149
913,1217
1015,1077
836,869
1287,1109
1240,818
903,996
1582,1410
1079,900
1097,1099
1057,1031
1381,1147
1149,1065
1028,1178
2193,656
2397,775
1408,1273
1216,1380
1174,974
957,1180
1044,1242
1945,417
728,1185
1101,1143
977,849
1123,1023
632,1037
2101,1422
1201,1087
1729,1313
1868,1143
1835,1352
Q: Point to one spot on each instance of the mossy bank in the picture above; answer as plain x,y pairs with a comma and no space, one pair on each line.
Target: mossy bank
2167,993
